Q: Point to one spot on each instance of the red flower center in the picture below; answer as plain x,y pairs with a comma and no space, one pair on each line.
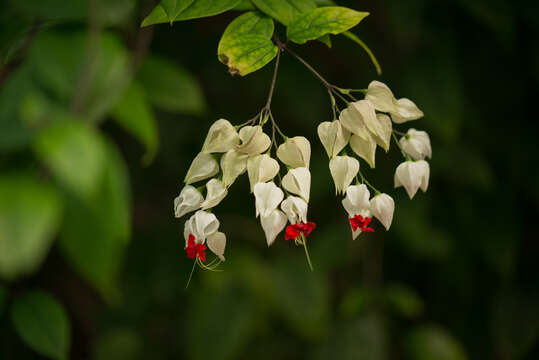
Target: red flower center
360,222
294,230
194,249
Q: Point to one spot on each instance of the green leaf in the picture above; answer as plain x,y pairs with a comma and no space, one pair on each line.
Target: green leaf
246,44
29,215
43,324
134,114
322,21
358,41
244,5
285,11
75,154
97,254
174,7
432,343
170,86
198,9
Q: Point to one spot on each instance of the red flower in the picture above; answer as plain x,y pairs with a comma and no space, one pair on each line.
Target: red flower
194,249
360,222
295,230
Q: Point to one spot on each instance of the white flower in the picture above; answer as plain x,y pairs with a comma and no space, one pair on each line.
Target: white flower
253,140
343,170
368,115
366,149
216,243
233,165
267,197
298,181
295,209
202,167
351,120
273,224
357,201
382,207
188,200
413,175
401,110
221,137
383,139
333,136
261,168
215,192
295,152
201,225
416,144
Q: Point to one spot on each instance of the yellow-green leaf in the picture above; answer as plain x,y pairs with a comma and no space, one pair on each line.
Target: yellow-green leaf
285,11
198,9
174,7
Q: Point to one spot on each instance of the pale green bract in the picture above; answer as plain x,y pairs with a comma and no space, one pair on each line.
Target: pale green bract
198,9
323,21
246,44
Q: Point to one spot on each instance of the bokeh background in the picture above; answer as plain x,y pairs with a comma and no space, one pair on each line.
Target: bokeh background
91,207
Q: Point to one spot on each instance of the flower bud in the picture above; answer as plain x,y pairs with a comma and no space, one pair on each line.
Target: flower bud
333,136
261,168
253,140
381,97
233,165
383,139
366,149
189,200
202,167
416,144
368,115
298,181
382,207
216,243
343,170
200,225
407,111
215,192
295,152
295,209
221,137
267,197
273,224
351,120
413,175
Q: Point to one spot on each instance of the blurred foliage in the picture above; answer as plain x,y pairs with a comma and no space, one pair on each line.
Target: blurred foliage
82,217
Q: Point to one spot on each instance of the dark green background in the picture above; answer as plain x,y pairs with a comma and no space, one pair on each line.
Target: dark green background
454,278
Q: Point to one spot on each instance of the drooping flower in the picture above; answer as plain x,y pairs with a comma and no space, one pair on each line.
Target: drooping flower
202,167
189,200
352,121
233,164
401,110
357,205
407,111
221,137
383,139
295,209
201,224
383,207
413,175
333,136
261,168
298,182
267,197
366,149
215,193
416,144
216,243
293,231
295,152
194,249
368,116
343,170
253,140
273,224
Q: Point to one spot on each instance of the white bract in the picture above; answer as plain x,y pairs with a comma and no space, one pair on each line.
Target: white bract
295,152
366,149
295,209
215,192
333,136
383,139
273,224
413,175
351,120
343,170
401,110
416,144
202,167
200,225
233,164
298,182
221,137
253,140
261,168
357,201
382,207
189,200
267,197
216,243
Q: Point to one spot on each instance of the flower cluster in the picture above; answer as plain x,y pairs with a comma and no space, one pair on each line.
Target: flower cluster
365,125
